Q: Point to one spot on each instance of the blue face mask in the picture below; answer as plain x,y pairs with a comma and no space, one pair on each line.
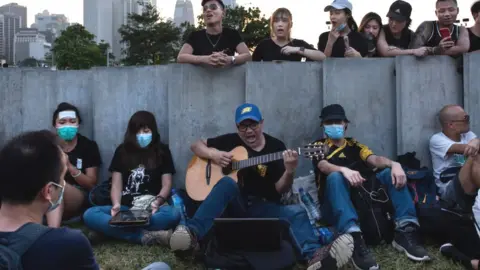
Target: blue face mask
54,205
335,132
144,139
67,133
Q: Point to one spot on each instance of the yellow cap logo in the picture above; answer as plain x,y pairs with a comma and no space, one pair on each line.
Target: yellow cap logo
246,110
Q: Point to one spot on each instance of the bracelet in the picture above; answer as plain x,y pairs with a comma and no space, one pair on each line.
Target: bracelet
161,197
77,175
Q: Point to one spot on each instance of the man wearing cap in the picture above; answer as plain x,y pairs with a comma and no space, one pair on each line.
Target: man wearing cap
336,180
258,193
396,36
216,45
429,33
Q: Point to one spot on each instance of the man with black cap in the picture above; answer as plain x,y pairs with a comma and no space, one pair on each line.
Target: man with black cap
258,193
216,45
396,36
336,177
443,37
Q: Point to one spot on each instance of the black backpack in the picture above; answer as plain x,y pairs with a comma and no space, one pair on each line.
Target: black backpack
16,244
100,194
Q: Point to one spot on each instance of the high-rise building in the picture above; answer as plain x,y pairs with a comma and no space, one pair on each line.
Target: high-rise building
97,19
11,24
54,23
183,12
17,10
3,55
30,43
230,3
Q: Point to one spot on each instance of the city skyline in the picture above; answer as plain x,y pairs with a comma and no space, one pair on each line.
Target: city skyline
305,12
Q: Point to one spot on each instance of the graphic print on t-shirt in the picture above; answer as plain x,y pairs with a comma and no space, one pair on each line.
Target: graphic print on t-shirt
262,170
136,180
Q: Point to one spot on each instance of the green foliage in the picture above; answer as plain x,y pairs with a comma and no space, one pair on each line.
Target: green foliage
77,49
29,62
250,22
149,39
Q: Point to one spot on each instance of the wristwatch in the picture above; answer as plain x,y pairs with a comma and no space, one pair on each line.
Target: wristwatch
233,60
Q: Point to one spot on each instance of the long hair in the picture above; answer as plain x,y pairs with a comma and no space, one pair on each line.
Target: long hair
351,21
371,16
279,13
132,154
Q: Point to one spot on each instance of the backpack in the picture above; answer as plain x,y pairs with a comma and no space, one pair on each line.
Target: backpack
420,180
100,194
16,244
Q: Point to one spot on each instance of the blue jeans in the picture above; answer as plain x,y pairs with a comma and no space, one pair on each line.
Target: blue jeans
97,218
227,194
338,208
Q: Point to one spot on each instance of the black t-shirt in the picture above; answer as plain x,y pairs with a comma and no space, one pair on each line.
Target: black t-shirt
268,50
84,155
474,41
355,39
258,180
435,37
346,155
139,180
205,44
403,42
61,249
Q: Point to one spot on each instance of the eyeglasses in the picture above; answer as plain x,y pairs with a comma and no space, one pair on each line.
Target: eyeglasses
243,127
465,119
210,6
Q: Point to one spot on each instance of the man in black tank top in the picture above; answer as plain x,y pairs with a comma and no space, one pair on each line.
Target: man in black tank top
474,31
429,33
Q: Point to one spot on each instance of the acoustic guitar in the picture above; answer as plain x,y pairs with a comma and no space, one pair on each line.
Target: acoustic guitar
203,174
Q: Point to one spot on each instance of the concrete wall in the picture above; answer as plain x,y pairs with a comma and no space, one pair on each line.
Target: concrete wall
391,103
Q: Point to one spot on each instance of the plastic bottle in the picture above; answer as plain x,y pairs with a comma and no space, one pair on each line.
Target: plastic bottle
179,205
309,204
326,236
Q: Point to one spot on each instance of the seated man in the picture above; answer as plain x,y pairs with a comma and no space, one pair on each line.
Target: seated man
258,193
32,169
449,147
216,45
336,181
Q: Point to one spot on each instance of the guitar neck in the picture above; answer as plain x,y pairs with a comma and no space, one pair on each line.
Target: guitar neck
238,165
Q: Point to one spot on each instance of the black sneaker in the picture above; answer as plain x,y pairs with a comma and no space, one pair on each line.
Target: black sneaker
406,240
451,252
362,257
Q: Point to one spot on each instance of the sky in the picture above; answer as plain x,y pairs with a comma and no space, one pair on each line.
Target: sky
308,16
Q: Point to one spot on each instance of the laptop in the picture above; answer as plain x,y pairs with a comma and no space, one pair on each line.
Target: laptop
250,234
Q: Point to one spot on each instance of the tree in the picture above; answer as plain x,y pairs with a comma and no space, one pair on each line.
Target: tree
29,62
104,49
250,22
77,49
149,39
48,59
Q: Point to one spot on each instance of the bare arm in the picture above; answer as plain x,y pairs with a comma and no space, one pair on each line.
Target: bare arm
186,55
329,48
285,183
165,191
463,43
422,35
314,55
87,179
243,54
200,149
459,148
380,162
116,192
386,51
328,168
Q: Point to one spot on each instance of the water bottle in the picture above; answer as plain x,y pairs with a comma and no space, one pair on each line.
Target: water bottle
178,204
309,204
325,235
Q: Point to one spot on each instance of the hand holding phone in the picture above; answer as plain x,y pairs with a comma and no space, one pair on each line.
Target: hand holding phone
445,33
347,42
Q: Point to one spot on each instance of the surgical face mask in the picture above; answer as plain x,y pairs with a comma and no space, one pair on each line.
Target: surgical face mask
144,139
67,133
335,132
54,205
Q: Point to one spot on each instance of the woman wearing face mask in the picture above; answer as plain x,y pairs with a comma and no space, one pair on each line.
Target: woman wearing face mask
141,167
280,46
83,162
370,28
343,40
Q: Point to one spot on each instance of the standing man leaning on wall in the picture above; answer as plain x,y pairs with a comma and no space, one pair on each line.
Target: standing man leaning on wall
474,31
216,45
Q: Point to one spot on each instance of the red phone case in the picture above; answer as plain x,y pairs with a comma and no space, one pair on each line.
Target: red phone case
445,32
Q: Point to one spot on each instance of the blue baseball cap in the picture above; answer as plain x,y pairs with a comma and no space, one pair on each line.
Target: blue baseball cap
247,111
339,4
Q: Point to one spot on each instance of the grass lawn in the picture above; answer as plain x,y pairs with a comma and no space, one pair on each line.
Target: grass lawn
114,255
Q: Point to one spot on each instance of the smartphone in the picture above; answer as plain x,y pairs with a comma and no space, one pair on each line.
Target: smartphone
445,33
341,27
347,42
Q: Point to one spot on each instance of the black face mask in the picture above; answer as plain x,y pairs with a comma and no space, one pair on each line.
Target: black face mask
372,42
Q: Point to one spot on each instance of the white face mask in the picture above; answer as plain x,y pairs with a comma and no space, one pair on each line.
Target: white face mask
54,205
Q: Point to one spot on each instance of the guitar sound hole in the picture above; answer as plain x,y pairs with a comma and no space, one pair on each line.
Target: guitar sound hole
227,170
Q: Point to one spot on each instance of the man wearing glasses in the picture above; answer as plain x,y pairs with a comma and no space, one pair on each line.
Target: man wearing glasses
258,193
216,45
452,146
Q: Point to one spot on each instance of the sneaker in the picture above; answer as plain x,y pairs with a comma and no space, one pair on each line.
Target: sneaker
183,239
406,240
333,256
362,258
451,252
161,238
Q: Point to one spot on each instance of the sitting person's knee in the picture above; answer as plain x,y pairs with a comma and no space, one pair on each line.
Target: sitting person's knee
229,183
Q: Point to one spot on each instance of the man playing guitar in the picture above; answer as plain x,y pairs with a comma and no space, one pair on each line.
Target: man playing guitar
258,192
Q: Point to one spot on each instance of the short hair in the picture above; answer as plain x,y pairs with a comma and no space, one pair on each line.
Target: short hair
475,8
454,1
64,106
28,162
444,114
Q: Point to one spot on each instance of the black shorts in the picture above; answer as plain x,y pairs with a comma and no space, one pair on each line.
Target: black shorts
456,197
